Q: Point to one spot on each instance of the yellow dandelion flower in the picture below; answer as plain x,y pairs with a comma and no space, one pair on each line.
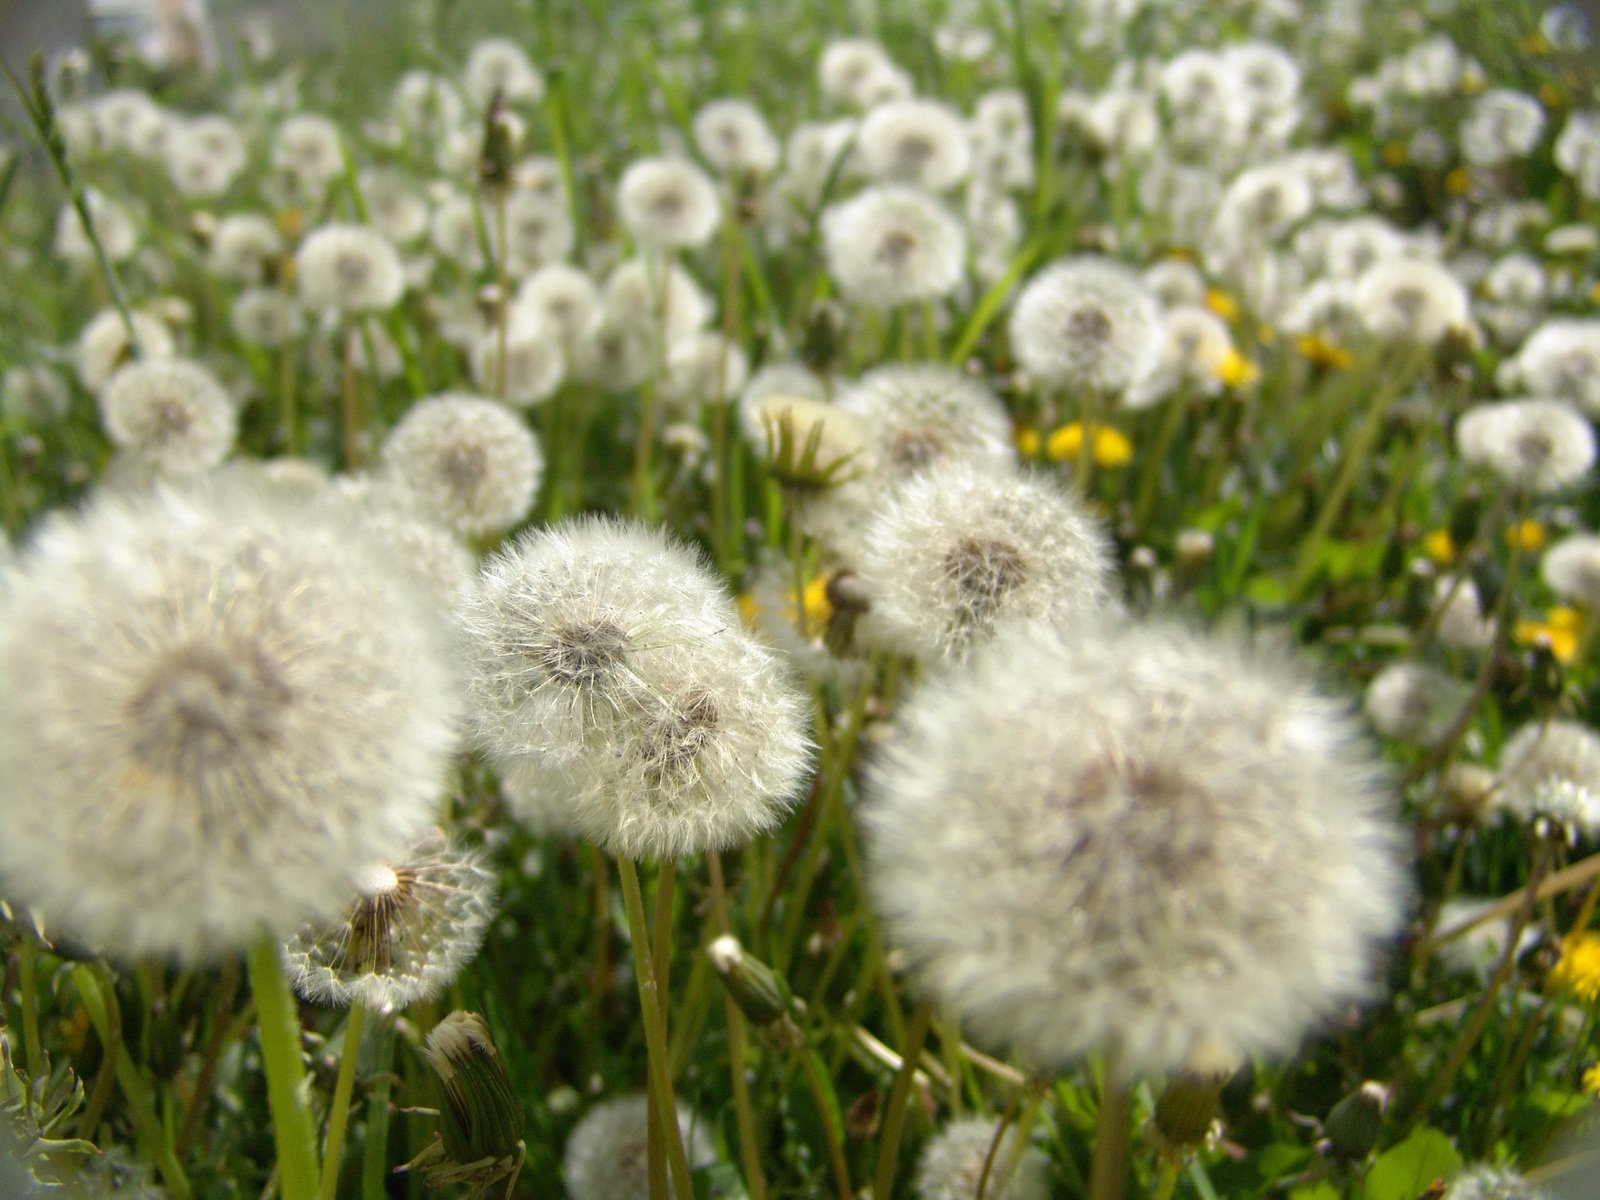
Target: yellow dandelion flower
1458,181
1591,1080
747,608
1439,546
1224,305
1560,632
1534,43
1394,153
1472,82
1237,371
291,222
1578,972
1528,537
1594,294
1027,440
1320,352
1111,447
1550,95
1266,334
814,603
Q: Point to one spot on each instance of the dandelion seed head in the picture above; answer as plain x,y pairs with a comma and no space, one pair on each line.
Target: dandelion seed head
1561,359
1410,300
952,1163
1485,1182
919,142
535,362
308,152
243,245
472,464
348,269
667,202
500,65
1537,445
416,922
893,245
1553,768
1414,703
1133,836
1087,322
103,345
735,138
1572,569
264,316
170,414
962,548
606,1154
562,296
233,703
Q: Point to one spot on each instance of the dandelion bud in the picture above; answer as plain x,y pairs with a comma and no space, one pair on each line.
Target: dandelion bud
494,162
826,336
1355,1122
810,444
754,986
481,1117
1188,1107
1193,552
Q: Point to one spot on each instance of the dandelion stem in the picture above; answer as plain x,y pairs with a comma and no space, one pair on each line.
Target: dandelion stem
26,956
755,1181
1581,871
894,1117
503,284
1168,1181
1109,1169
828,1115
339,1111
280,1054
374,1154
351,402
654,1029
989,1155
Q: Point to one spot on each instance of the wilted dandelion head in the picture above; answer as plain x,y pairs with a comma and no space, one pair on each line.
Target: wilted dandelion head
233,703
952,1163
1552,768
1132,836
962,548
170,414
735,138
1536,446
500,65
667,202
606,1155
1411,300
103,346
893,245
471,463
610,670
415,923
1087,323
920,142
348,269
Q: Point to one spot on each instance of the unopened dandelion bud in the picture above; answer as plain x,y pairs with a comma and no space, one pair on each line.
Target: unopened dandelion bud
1468,788
1355,1122
1193,552
1188,1107
754,986
826,335
494,162
481,1117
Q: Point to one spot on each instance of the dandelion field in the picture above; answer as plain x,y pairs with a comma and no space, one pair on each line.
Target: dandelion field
985,599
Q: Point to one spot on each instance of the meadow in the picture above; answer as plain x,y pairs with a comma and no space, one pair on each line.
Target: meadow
868,600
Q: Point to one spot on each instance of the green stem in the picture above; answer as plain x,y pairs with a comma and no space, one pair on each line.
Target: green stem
894,1117
375,1153
279,1026
1169,1180
26,953
1154,458
744,1114
830,1132
503,283
339,1112
655,1032
1109,1169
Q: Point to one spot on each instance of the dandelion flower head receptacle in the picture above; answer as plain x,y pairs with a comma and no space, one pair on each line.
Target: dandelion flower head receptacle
1182,845
233,703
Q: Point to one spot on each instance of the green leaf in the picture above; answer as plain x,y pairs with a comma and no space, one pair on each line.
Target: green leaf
1406,1171
1314,1191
